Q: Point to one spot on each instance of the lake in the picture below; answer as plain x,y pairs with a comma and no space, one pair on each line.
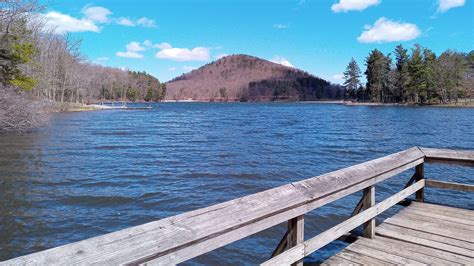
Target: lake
90,173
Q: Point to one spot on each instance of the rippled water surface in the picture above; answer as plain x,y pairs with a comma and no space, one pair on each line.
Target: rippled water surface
90,173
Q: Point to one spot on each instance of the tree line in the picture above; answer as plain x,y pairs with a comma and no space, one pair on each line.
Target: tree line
39,68
419,77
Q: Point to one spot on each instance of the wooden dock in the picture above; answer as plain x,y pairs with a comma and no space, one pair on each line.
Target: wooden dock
421,233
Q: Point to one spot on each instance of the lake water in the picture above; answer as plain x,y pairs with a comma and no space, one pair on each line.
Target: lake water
90,173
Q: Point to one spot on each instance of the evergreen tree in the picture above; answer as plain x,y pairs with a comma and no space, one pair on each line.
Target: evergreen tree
429,61
377,75
402,76
417,71
352,78
149,94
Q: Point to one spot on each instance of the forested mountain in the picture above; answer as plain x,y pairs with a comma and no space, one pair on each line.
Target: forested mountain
248,78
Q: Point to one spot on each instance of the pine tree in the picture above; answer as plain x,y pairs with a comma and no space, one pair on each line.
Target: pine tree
417,71
352,78
429,61
377,75
402,76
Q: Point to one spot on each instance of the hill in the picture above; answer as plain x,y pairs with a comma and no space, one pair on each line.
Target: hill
248,78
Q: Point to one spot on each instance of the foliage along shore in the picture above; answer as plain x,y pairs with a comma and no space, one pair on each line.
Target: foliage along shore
40,71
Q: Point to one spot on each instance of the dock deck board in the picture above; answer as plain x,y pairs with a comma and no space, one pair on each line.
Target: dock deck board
421,233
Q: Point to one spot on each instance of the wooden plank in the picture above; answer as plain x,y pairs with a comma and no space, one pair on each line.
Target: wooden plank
337,260
468,214
326,237
406,214
360,259
425,235
449,185
431,227
369,201
384,255
441,217
403,249
179,238
425,242
449,156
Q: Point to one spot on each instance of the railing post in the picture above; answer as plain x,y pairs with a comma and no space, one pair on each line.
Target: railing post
369,201
295,234
420,174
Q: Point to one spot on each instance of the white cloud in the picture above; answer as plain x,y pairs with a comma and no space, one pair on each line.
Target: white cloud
349,5
132,51
125,22
97,14
189,68
338,78
445,5
147,43
182,54
62,23
281,26
386,30
135,47
163,45
146,22
172,69
282,61
129,54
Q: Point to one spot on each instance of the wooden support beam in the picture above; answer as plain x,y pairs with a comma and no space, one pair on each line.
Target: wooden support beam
295,235
281,247
449,185
358,207
368,202
411,181
420,174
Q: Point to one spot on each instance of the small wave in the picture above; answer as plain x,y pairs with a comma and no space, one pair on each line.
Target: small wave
96,201
112,147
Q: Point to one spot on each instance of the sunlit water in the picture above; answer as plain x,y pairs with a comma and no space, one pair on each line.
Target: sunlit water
91,173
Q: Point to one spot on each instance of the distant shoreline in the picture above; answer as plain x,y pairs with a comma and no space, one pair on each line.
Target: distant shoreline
97,107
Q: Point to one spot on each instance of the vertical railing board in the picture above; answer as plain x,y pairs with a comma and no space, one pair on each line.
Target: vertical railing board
369,202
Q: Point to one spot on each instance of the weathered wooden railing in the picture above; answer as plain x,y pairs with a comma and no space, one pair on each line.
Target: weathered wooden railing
185,236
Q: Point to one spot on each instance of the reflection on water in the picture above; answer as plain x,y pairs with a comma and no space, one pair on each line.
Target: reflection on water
95,172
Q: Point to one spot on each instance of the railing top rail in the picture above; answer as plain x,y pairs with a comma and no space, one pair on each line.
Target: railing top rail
448,156
184,236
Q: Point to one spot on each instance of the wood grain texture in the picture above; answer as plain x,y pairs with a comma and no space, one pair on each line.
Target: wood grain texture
449,156
414,242
450,185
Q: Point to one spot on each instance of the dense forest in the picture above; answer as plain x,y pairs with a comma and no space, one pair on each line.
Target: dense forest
300,88
419,77
40,70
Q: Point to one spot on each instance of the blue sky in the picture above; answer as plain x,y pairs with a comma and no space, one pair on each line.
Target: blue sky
170,37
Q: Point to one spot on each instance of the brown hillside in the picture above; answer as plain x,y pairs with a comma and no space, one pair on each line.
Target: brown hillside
230,78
